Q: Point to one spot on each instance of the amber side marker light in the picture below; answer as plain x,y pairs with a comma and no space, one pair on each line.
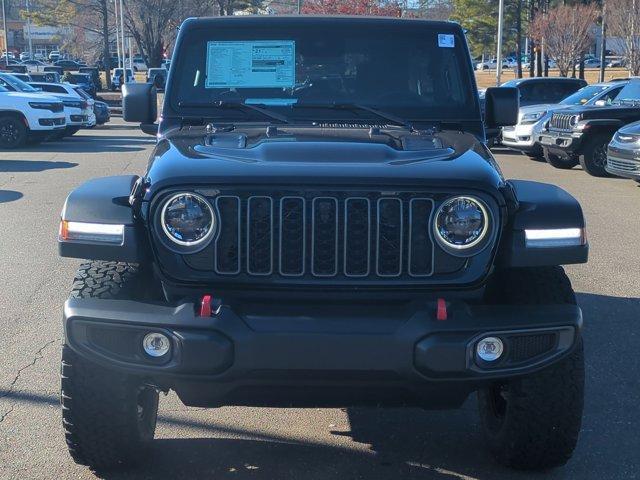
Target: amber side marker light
91,232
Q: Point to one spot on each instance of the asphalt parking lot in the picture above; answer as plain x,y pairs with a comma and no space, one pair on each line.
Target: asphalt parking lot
297,444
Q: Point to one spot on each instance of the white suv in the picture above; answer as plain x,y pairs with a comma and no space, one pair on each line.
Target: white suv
28,117
77,109
117,73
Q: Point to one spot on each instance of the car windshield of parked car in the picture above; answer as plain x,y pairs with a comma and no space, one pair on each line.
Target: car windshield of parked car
3,90
583,95
82,93
16,83
630,94
306,71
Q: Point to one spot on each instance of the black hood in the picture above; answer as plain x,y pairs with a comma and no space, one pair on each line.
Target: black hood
331,155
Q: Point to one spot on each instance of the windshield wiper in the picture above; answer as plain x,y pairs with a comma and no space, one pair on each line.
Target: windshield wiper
628,101
390,117
236,106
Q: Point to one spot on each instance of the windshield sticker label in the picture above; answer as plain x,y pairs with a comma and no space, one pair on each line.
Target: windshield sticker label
251,64
446,40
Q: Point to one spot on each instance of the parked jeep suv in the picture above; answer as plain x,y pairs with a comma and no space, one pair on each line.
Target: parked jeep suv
581,134
322,224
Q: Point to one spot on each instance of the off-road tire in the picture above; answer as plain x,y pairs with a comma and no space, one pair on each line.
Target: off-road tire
593,158
560,162
13,132
109,417
533,422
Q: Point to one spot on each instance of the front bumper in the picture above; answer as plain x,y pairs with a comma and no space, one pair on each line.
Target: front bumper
562,144
623,161
522,137
324,357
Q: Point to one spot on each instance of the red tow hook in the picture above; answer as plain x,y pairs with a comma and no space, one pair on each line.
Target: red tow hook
205,306
441,311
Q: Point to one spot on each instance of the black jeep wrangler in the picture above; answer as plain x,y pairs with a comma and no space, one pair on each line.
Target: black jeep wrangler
581,134
322,224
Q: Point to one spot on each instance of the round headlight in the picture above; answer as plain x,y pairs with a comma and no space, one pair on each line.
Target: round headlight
461,223
187,219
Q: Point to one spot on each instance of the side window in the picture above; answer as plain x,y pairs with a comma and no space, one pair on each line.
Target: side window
611,95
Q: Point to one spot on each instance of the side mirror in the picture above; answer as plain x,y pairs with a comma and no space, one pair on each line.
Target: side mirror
501,107
139,103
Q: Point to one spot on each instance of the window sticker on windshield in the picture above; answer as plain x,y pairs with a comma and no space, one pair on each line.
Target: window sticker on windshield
446,40
250,64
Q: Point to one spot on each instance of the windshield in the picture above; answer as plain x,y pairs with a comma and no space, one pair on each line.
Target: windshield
629,94
16,83
409,69
583,95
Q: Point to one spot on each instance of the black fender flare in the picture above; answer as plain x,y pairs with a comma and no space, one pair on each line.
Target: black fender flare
104,201
541,206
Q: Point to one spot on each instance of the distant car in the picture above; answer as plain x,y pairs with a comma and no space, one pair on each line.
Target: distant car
617,63
540,90
52,68
39,56
490,65
47,77
139,65
590,63
54,56
95,76
536,91
24,56
8,55
157,76
68,65
34,65
102,113
117,73
28,117
531,119
82,80
166,64
76,107
623,152
25,77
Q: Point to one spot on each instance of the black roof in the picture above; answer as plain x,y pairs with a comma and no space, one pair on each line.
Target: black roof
520,81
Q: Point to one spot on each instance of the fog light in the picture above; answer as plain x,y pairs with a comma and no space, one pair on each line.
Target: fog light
489,349
156,344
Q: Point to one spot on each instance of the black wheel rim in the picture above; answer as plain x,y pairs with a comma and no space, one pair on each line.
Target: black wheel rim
9,133
600,155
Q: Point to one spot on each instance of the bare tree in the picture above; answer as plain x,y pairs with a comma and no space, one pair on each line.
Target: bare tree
567,33
623,22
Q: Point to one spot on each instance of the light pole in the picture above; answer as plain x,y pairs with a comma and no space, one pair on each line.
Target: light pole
122,42
120,59
499,43
29,32
4,26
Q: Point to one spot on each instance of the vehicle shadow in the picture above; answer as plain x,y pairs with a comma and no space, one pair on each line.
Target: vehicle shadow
33,165
7,196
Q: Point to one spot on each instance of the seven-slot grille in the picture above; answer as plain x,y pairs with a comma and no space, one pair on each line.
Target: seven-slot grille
561,121
323,235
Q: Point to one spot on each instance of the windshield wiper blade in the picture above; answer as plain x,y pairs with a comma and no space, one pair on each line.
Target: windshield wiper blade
237,106
390,117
